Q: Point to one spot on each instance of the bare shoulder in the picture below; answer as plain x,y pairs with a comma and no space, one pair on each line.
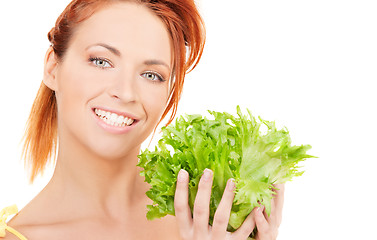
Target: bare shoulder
8,230
27,225
10,236
13,229
35,223
159,229
23,230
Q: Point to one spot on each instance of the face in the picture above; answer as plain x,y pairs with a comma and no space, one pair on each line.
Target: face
112,85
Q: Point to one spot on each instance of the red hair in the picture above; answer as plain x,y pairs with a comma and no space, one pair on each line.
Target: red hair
187,32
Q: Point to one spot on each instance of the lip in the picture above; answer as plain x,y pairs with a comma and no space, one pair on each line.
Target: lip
111,128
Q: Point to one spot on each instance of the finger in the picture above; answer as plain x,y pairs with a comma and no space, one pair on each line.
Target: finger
221,218
261,222
270,219
181,206
201,206
277,206
246,228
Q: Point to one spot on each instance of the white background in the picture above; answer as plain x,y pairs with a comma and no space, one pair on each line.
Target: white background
309,65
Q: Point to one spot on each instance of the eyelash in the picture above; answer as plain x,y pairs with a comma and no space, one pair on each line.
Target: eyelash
160,78
92,59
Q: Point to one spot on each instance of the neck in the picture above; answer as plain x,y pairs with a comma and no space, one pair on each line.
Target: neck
96,186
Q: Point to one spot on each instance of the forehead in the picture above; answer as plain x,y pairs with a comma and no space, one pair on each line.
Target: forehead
130,27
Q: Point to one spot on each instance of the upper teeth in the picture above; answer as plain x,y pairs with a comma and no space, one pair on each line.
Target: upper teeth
113,118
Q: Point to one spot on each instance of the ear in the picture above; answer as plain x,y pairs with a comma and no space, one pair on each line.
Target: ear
50,70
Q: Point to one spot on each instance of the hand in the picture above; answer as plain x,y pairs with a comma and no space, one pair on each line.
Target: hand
197,228
268,225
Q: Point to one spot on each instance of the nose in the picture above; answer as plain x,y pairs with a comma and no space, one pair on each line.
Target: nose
124,86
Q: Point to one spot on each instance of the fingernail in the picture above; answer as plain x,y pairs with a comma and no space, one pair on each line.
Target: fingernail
231,184
182,175
261,208
207,174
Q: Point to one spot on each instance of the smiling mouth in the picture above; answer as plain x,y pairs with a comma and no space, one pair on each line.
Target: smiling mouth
114,119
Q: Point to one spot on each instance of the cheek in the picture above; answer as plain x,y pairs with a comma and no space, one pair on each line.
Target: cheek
78,86
154,99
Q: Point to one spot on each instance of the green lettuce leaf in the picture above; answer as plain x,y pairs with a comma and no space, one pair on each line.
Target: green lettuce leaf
250,150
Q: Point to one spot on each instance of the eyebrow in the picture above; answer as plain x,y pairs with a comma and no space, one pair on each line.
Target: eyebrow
156,62
117,52
108,47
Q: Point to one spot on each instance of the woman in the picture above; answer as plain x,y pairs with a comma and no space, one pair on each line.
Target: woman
114,70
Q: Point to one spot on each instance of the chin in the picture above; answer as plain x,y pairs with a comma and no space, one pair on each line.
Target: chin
115,152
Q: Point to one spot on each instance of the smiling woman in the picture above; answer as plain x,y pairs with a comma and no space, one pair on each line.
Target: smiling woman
113,71
309,65
162,63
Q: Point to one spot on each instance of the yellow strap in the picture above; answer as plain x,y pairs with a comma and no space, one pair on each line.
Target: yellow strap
4,214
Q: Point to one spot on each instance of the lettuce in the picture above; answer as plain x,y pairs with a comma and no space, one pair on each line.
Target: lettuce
233,147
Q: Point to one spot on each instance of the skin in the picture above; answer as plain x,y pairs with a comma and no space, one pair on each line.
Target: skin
196,227
96,191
